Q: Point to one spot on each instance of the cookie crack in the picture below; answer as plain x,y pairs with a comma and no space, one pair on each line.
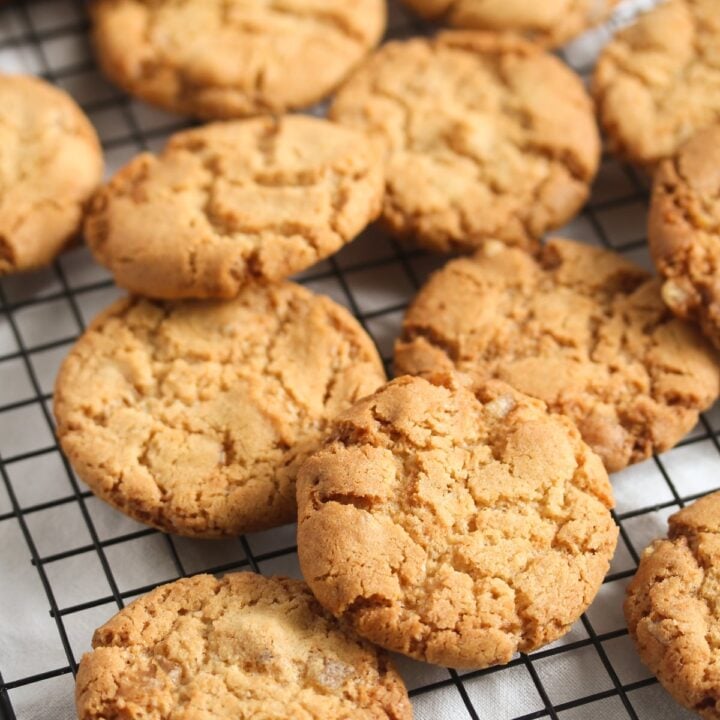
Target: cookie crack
327,19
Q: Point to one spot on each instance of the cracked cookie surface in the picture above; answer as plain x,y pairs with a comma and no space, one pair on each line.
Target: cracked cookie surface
231,58
51,162
487,136
579,327
192,417
229,203
550,23
684,230
672,607
658,81
456,527
243,647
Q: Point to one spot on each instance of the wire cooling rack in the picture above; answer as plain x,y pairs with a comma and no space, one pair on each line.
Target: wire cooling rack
68,562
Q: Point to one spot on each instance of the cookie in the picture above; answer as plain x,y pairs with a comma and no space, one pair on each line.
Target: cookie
684,230
656,82
230,58
455,527
192,417
234,202
50,164
550,23
241,647
672,607
579,327
487,136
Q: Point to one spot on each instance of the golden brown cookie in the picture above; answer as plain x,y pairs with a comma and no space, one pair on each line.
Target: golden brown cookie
487,136
550,22
579,327
50,164
673,607
192,417
456,527
684,230
656,82
233,202
232,58
243,647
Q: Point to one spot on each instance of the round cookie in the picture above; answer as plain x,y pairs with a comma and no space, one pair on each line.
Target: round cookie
193,417
487,136
657,81
51,163
233,202
231,58
672,607
579,327
455,527
550,23
241,647
684,230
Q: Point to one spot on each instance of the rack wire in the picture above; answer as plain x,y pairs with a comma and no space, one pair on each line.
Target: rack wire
68,562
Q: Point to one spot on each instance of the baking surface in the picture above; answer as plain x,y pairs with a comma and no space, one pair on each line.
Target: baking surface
68,561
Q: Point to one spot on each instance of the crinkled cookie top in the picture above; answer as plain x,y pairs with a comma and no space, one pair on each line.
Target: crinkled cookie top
193,416
230,203
243,647
487,136
658,81
50,164
673,607
550,22
456,527
579,327
232,58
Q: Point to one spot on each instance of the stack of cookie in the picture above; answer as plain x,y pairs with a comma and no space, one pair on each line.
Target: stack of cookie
462,512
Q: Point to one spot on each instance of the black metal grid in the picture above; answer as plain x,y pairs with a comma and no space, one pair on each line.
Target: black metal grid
34,32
